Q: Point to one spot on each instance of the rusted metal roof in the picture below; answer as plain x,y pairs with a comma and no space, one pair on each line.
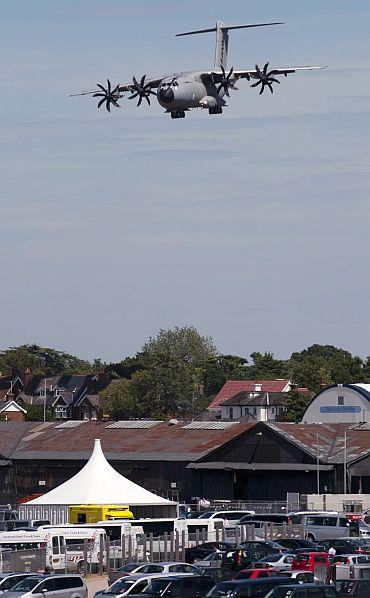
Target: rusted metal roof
163,441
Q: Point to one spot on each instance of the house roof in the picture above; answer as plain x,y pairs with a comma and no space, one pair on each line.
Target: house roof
233,387
12,406
256,399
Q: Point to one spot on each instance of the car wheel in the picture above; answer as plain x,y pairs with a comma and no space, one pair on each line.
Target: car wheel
310,537
197,559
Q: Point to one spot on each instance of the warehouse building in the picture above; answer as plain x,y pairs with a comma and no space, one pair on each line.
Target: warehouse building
182,460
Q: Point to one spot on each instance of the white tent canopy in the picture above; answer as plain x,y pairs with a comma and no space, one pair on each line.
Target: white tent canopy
99,484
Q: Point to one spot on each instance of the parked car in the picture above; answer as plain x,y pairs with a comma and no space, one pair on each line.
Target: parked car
307,561
7,514
186,586
25,524
198,553
248,588
261,548
347,545
277,561
307,590
132,584
51,586
146,568
321,526
299,544
255,573
359,588
233,517
266,518
349,559
9,580
300,576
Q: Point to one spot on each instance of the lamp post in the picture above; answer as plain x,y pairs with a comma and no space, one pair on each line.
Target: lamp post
317,465
45,381
345,463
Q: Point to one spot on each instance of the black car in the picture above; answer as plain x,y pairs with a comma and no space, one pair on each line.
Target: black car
250,588
198,553
260,548
304,590
299,544
347,545
181,587
354,588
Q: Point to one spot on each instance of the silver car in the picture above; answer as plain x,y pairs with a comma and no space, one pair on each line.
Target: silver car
278,561
133,584
55,586
164,567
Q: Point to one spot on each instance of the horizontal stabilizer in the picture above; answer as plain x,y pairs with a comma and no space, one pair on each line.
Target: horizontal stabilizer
227,28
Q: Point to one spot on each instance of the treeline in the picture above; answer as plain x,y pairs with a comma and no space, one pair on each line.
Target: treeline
179,371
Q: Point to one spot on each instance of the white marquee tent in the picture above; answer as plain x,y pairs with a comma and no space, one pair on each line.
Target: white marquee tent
98,483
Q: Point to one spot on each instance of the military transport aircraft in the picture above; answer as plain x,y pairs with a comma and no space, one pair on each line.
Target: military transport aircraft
180,92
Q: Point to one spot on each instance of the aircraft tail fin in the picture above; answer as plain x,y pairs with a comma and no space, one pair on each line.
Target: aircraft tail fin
222,38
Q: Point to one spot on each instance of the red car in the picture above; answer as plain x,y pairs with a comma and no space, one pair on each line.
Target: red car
307,561
255,573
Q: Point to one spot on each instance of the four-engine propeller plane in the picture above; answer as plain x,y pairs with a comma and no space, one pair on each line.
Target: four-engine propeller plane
183,91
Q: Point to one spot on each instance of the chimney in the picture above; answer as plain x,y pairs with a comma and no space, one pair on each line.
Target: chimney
257,387
27,377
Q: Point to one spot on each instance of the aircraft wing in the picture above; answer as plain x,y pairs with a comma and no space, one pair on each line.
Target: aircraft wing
251,73
124,87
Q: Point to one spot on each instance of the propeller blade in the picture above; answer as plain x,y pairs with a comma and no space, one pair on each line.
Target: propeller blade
99,95
101,102
265,68
101,87
142,80
108,105
140,100
274,80
270,86
109,85
147,99
255,84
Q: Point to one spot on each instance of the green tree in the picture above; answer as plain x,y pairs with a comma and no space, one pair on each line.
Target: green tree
295,405
266,367
35,413
119,400
43,360
183,344
220,368
325,364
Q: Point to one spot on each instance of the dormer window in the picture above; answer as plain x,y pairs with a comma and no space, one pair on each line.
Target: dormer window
42,392
56,392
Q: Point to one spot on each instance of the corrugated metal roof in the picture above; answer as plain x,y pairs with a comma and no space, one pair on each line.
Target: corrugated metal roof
259,466
158,442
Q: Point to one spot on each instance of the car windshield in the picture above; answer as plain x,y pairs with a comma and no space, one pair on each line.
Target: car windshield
271,558
128,568
26,584
280,593
157,586
205,515
120,586
221,589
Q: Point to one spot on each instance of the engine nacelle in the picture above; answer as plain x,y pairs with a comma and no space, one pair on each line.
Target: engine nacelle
208,102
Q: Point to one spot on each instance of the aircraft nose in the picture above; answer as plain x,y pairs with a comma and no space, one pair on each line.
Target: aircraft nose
166,95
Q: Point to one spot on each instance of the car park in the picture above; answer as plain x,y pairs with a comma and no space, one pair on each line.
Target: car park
277,561
347,545
353,588
300,576
255,573
9,580
132,584
262,548
146,568
352,559
198,553
50,586
308,561
248,588
303,591
300,544
325,525
185,586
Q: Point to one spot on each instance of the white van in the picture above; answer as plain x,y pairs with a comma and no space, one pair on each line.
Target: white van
75,536
325,526
51,540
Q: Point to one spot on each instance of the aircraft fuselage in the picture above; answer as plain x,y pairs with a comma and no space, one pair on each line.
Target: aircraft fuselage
184,91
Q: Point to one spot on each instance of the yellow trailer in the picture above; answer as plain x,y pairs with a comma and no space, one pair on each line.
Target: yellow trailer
95,513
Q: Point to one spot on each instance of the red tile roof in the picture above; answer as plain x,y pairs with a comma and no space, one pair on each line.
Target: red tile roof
233,387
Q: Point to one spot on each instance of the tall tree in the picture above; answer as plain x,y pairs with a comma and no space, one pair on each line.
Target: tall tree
184,344
42,360
221,368
266,367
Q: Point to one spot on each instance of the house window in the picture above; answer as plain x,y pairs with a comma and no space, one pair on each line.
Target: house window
231,412
273,410
42,392
61,411
254,410
340,400
246,411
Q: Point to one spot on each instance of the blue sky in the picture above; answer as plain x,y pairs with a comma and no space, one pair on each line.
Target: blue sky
252,226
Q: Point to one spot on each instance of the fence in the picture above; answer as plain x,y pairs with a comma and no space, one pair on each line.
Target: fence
86,557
